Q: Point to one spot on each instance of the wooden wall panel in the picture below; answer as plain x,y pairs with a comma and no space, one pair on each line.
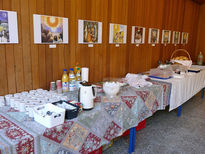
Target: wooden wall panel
173,20
118,14
190,24
10,59
26,48
34,48
26,65
41,49
201,32
18,52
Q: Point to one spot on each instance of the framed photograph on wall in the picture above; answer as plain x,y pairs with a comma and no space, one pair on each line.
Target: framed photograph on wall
89,32
8,27
153,36
166,36
185,37
138,35
118,34
50,29
176,37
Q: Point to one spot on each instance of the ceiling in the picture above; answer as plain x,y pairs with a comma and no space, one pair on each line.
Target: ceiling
200,1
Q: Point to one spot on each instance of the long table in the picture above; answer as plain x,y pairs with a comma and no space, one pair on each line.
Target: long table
90,130
185,88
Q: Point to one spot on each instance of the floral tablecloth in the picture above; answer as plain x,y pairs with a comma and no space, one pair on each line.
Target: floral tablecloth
90,130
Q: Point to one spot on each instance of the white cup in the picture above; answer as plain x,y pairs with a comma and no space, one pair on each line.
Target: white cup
32,91
22,107
7,98
17,102
30,111
39,90
17,95
12,102
34,102
2,101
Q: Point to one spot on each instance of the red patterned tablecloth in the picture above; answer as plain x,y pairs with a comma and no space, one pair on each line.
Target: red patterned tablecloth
90,130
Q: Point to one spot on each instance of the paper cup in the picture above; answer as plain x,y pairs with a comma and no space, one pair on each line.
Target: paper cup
12,102
84,73
17,103
22,107
30,111
7,98
2,101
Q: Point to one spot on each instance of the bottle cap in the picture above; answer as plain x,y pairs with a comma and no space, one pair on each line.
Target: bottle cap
65,70
71,69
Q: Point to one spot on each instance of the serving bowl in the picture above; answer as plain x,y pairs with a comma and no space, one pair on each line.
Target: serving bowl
111,88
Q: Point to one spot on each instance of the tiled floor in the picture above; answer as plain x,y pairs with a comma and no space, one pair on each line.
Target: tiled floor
165,133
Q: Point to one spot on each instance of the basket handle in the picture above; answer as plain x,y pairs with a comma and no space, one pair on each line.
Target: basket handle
181,50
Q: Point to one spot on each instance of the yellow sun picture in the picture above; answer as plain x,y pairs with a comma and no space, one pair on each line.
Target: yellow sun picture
51,29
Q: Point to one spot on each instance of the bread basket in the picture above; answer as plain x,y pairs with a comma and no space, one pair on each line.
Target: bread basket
186,61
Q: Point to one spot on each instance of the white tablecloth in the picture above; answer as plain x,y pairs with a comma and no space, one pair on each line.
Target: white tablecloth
185,88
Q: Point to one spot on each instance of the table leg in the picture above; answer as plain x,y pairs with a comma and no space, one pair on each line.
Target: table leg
132,140
202,95
179,111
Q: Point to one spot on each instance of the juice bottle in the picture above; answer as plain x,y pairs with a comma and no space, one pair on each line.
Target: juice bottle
65,81
72,79
78,77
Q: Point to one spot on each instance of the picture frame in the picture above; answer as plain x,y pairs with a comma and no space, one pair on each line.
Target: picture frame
138,35
166,36
153,36
176,37
50,29
8,27
118,34
89,32
184,38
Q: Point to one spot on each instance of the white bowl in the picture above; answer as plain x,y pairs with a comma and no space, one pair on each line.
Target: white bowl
111,88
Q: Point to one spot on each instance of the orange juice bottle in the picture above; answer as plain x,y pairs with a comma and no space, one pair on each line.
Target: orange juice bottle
78,75
65,81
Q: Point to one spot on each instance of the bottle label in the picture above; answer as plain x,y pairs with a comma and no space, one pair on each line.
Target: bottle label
65,86
71,76
77,74
72,86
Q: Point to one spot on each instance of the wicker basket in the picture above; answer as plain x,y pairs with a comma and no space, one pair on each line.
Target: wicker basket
187,63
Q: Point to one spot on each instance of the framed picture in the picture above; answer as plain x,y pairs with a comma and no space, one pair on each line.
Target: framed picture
185,37
138,35
118,34
50,29
176,37
8,27
89,32
166,36
153,36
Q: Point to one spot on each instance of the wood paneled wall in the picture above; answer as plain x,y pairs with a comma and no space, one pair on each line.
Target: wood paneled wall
180,15
201,32
26,66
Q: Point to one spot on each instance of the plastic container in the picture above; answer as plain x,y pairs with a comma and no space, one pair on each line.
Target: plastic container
72,80
161,73
71,109
65,81
49,115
